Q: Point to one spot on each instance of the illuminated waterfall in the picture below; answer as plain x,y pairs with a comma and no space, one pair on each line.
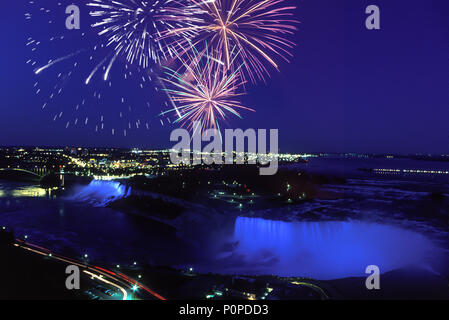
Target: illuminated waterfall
327,250
101,193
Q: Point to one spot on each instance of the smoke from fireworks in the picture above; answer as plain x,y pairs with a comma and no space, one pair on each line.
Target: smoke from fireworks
203,91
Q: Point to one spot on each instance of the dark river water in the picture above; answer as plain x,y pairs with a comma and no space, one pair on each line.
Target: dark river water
380,227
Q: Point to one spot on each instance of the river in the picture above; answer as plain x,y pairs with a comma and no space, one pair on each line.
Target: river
379,225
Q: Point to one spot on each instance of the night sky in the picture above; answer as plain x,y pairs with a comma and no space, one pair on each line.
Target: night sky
347,89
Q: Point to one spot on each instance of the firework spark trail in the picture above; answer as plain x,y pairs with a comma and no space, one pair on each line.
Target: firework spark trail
91,55
51,63
133,28
203,92
243,32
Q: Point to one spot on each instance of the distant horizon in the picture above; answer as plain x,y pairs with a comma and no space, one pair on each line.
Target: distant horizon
168,148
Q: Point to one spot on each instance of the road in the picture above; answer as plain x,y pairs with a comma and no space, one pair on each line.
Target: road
323,294
127,286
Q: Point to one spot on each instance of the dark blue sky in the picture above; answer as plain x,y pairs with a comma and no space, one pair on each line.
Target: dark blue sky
347,89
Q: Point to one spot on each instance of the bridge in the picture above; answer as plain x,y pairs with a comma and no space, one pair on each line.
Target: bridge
34,174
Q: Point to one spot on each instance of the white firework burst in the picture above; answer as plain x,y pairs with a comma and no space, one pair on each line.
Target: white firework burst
133,28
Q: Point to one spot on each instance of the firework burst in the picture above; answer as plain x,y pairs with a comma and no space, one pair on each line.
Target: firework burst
244,32
67,86
133,28
203,91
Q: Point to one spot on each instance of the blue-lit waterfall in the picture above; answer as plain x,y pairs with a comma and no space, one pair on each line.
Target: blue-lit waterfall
101,193
328,250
